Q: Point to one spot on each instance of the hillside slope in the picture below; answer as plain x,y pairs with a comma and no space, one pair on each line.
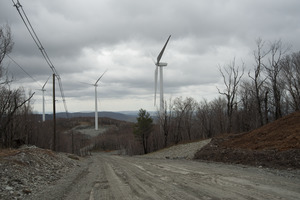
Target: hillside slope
275,145
104,114
282,134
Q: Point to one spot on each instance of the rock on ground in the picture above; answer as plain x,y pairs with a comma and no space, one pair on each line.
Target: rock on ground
29,169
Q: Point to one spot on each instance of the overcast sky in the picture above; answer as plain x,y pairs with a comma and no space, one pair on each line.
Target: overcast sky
84,38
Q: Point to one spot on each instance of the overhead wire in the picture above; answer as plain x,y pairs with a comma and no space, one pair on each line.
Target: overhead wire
33,34
41,48
14,61
23,70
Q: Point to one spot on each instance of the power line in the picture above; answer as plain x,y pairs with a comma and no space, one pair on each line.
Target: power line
23,70
14,61
41,48
33,34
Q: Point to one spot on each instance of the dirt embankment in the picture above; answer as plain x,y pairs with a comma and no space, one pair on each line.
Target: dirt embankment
275,145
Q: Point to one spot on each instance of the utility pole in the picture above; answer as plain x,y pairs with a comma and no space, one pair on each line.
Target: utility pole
54,116
72,133
43,90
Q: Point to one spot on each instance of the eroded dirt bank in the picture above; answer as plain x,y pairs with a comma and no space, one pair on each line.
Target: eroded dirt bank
275,145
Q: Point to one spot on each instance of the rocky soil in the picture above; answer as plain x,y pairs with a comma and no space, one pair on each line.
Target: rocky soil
29,169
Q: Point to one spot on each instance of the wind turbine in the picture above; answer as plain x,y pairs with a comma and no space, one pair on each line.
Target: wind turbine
160,65
96,105
43,90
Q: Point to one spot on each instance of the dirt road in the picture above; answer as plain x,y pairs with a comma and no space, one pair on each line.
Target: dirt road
115,177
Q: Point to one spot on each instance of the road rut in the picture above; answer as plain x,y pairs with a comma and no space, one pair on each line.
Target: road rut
120,177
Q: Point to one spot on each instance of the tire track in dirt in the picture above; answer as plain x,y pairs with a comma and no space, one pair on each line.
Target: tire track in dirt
169,179
116,177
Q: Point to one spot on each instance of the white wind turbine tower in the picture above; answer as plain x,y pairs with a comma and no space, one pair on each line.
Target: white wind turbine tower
96,105
43,90
160,65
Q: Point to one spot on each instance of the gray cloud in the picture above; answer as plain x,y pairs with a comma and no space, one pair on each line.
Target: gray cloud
83,38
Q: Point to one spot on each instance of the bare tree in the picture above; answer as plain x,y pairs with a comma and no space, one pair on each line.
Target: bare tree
218,107
257,78
248,107
190,105
291,73
10,100
204,112
179,109
178,118
165,121
231,77
273,69
266,103
6,45
211,117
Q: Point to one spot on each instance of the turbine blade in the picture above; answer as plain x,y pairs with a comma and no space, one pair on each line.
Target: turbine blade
86,83
152,57
155,84
100,77
46,82
162,51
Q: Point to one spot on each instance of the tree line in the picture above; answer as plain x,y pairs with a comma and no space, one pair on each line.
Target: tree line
15,105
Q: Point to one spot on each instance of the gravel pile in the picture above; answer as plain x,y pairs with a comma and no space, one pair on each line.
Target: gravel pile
181,151
29,169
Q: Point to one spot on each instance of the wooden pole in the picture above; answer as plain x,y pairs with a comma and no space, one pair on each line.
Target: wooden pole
72,142
54,116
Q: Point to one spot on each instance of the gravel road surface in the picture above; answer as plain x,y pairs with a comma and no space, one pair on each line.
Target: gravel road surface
106,176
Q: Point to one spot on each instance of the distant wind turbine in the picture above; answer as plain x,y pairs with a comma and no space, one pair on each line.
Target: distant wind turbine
43,90
96,105
160,65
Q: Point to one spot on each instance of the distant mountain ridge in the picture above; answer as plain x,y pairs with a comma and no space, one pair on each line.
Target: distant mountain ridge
114,115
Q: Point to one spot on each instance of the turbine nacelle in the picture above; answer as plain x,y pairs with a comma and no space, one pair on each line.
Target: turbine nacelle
161,64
